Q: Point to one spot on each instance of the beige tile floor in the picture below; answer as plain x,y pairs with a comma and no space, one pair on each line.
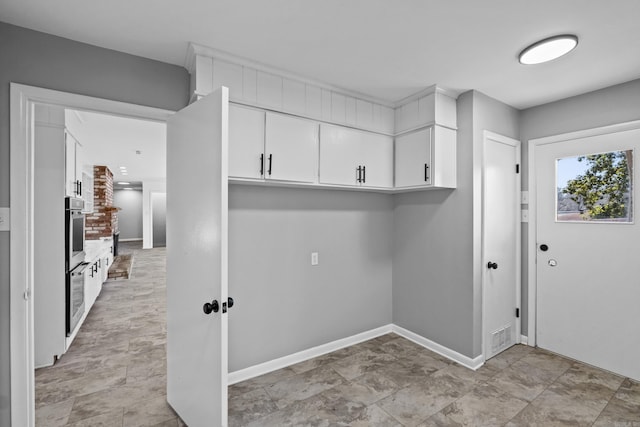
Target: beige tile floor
115,375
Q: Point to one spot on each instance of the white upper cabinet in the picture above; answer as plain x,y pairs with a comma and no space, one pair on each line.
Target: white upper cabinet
246,142
73,166
426,158
355,158
291,149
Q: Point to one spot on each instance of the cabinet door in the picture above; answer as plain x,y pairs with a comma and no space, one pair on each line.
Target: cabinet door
70,164
291,149
340,155
377,154
246,142
413,159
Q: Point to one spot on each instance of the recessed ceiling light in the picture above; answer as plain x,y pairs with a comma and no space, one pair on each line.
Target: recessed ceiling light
124,183
128,188
548,49
124,173
123,167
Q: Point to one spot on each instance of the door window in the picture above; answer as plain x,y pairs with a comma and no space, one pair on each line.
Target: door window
595,187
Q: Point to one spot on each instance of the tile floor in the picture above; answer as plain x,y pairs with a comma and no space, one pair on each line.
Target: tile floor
115,375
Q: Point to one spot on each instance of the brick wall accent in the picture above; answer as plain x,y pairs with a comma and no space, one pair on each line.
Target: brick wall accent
103,222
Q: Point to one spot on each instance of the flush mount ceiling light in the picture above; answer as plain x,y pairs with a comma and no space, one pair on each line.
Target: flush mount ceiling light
548,49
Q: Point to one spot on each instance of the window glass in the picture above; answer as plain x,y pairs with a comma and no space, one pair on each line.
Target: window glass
595,187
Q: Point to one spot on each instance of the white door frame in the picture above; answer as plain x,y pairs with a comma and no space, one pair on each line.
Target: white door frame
532,278
21,160
487,135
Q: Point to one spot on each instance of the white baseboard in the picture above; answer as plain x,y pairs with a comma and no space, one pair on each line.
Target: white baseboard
130,240
466,361
524,340
301,356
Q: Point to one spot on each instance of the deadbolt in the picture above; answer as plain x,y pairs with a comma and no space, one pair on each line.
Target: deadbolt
544,248
552,263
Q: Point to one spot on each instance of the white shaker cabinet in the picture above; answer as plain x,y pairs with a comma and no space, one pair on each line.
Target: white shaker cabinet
355,158
73,166
246,142
269,146
426,158
291,149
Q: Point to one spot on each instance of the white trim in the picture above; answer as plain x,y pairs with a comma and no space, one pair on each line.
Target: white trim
465,361
301,356
488,135
22,100
426,92
135,239
195,49
524,340
532,229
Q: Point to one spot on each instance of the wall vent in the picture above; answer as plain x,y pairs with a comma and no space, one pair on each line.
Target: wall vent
501,339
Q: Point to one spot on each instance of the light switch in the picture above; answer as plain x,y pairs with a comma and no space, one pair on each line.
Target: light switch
314,258
4,219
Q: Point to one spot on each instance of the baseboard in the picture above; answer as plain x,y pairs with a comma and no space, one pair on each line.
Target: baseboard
301,356
524,340
466,361
130,240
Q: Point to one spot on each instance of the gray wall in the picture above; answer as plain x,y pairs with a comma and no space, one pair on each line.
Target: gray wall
42,60
284,304
615,104
130,213
436,279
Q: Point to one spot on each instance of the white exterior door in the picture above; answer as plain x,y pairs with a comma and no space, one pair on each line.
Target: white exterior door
197,210
587,269
501,243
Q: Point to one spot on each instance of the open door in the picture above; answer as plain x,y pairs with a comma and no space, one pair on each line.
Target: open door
197,209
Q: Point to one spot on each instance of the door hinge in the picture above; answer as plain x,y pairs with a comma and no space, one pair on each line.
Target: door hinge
518,168
517,312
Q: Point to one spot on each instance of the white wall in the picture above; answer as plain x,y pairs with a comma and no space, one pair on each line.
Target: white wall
130,213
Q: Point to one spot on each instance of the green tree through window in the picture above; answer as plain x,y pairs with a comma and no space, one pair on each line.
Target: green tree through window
603,191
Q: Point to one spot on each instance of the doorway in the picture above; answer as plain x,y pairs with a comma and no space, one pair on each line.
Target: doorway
584,244
500,243
23,99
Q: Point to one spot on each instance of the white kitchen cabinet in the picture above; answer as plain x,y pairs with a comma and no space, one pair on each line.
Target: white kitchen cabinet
73,165
355,158
246,142
291,149
426,158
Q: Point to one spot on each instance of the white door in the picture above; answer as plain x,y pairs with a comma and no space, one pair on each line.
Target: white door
246,142
291,149
197,209
588,271
501,243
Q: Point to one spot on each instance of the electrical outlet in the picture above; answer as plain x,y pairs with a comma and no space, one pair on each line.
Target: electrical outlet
4,219
314,258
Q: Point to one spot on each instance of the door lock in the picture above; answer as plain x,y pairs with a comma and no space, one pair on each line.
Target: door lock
552,263
544,247
211,307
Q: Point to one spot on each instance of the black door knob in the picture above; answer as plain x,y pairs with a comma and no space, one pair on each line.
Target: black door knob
211,307
492,265
230,302
544,248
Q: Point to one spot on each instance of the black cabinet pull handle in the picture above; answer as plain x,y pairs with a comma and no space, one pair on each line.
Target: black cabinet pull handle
426,172
211,307
270,163
80,186
358,174
261,164
364,174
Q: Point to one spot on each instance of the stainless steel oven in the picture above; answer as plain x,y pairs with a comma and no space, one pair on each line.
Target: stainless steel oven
74,261
74,242
75,296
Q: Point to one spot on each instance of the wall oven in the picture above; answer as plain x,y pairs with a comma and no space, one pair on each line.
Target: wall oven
74,261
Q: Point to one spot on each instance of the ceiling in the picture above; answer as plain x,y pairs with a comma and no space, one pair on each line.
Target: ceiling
114,141
382,48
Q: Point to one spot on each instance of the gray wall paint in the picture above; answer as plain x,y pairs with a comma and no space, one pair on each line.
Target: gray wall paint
159,219
437,287
38,59
284,304
615,104
130,213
